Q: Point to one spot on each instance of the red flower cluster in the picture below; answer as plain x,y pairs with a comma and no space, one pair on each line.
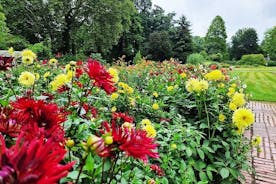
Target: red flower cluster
100,76
33,162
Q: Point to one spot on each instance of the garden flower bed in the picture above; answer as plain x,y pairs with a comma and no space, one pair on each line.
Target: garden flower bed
152,122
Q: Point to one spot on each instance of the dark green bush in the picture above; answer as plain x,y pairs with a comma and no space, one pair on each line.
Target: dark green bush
195,58
271,63
216,57
252,59
17,42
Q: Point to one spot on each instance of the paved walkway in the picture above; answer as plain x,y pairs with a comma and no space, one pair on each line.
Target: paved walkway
265,126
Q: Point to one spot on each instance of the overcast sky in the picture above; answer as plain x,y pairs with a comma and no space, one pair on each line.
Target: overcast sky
259,14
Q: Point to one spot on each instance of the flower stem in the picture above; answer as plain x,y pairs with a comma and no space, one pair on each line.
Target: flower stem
81,168
208,120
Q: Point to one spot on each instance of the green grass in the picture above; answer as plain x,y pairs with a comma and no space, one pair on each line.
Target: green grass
260,81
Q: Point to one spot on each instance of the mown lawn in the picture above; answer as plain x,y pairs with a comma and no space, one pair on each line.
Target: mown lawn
260,81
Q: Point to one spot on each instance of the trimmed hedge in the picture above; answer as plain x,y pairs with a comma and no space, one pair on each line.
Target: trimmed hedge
252,59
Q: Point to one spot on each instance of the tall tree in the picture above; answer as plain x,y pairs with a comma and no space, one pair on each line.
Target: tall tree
130,41
245,41
269,43
183,40
3,26
216,37
159,46
69,24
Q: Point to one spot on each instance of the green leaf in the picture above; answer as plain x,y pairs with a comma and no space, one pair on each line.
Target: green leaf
209,174
189,151
203,176
89,165
224,172
201,154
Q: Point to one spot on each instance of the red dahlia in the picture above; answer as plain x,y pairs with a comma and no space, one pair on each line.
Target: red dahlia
8,126
34,115
32,162
100,76
5,63
133,142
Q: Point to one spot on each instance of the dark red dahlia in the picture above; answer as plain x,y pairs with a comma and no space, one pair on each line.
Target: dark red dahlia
5,63
32,162
8,126
32,114
101,78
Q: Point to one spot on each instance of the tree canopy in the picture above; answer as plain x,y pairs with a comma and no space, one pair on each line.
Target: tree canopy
215,39
245,41
269,43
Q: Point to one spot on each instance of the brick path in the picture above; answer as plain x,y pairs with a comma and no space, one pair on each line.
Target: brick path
265,126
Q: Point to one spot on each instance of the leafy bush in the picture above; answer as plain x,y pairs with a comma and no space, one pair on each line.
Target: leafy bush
271,63
17,42
252,59
195,58
216,57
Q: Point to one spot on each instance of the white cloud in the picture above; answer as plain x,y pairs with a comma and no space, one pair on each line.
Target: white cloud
259,14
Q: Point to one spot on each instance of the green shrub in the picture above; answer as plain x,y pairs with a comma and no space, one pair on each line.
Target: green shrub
17,42
195,58
216,57
252,59
271,63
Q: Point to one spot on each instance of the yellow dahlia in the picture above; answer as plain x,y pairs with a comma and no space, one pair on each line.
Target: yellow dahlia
155,106
114,96
214,75
238,99
222,117
115,74
242,118
53,61
26,79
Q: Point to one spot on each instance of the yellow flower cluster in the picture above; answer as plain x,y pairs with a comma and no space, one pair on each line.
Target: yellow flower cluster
26,79
115,74
242,118
215,75
149,128
196,85
28,56
59,81
126,88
